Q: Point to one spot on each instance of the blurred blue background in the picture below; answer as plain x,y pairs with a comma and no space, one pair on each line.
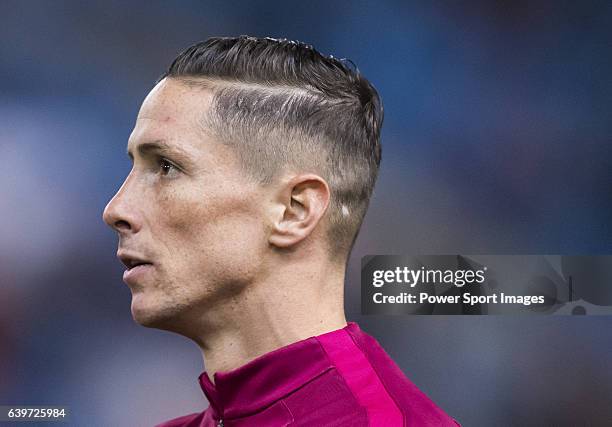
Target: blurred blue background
497,140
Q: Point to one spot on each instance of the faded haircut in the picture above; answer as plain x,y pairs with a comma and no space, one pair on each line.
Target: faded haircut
282,105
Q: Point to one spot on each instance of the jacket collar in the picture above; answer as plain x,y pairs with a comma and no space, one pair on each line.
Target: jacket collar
261,382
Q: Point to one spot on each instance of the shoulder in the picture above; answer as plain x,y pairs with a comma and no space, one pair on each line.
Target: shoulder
417,408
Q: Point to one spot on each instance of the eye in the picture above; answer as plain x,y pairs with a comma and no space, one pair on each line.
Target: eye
166,167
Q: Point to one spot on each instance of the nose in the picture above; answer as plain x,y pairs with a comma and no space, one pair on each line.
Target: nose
121,212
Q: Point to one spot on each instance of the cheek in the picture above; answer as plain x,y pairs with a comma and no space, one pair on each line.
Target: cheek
217,239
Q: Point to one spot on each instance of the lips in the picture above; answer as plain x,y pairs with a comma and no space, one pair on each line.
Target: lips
132,261
137,267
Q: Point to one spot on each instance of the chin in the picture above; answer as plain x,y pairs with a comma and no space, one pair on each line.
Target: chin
152,313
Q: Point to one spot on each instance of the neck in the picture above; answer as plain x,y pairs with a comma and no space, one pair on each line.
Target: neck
286,307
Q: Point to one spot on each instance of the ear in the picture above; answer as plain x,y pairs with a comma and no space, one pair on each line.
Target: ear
301,203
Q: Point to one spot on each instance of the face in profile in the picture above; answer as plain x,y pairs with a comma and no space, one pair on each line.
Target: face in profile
190,221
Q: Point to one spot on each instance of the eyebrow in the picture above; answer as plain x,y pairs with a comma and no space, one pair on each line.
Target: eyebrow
158,146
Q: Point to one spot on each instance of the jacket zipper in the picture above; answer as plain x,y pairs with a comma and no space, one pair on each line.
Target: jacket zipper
220,423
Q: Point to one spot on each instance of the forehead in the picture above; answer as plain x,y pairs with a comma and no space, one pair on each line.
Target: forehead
170,110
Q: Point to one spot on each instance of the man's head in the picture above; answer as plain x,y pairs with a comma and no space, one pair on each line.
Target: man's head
246,151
